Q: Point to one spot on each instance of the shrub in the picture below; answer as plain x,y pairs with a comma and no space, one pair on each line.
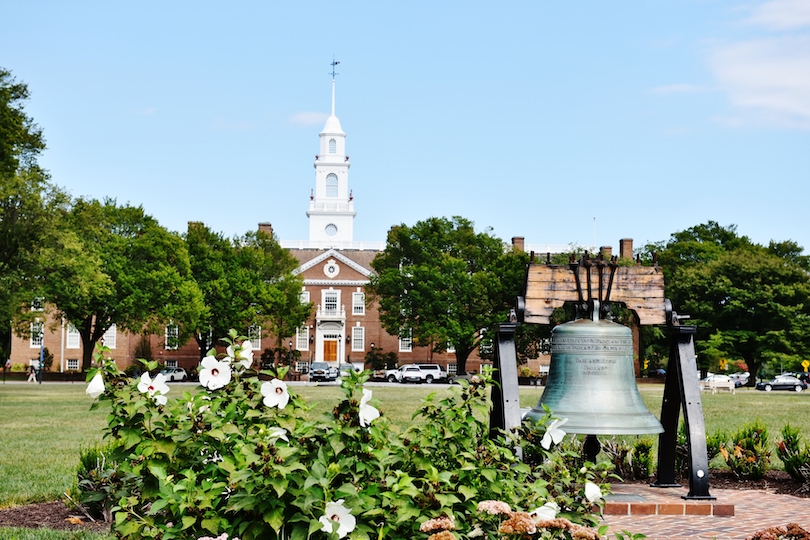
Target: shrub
242,458
749,456
99,484
634,461
794,455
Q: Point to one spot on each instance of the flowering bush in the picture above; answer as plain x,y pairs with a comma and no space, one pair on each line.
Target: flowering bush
747,455
241,458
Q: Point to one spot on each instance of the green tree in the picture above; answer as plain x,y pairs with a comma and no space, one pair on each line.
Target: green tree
440,283
749,302
116,265
28,205
245,281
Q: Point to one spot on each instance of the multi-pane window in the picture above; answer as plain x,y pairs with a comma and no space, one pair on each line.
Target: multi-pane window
74,339
255,337
171,363
358,303
37,329
304,297
109,337
332,146
38,304
302,338
72,364
406,342
358,338
452,369
331,185
330,301
172,337
450,347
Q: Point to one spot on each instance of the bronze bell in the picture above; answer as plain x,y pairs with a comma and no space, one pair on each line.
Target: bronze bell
591,380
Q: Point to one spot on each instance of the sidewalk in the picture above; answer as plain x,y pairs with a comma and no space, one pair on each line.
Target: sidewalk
735,514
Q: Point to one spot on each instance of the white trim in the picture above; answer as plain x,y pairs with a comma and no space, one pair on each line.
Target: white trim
332,253
335,282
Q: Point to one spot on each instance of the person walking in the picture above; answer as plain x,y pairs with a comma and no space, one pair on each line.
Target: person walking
32,374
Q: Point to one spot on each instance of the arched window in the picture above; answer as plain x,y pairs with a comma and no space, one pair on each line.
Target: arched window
331,185
332,146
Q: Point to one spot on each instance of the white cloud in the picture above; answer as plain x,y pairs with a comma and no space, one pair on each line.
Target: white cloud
767,80
678,89
308,118
781,14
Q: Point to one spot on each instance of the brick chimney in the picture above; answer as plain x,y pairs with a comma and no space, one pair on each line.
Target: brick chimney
626,248
266,228
519,243
606,251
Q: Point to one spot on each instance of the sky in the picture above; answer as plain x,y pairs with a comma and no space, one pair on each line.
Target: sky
562,122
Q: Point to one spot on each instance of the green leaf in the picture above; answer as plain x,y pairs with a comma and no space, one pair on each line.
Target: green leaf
468,492
188,521
275,518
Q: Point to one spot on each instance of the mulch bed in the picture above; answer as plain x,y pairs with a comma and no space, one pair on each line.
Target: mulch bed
56,515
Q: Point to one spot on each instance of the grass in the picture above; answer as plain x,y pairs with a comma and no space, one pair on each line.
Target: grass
44,426
19,533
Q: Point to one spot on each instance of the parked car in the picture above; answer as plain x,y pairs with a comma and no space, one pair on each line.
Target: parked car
173,374
782,382
348,366
320,371
433,372
719,378
741,378
406,373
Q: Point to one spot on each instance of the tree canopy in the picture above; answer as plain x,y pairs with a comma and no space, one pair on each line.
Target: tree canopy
441,283
116,265
28,204
245,281
749,302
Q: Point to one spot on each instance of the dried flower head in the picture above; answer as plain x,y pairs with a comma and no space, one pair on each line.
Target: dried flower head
494,507
443,523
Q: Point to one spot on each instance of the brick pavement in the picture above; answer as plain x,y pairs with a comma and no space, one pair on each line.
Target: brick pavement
735,514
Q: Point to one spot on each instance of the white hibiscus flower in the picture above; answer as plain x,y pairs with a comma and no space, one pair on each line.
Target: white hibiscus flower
592,492
546,512
278,433
275,393
241,355
152,386
96,386
214,374
368,413
337,514
553,433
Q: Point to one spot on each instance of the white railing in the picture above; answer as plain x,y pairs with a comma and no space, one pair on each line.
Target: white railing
327,244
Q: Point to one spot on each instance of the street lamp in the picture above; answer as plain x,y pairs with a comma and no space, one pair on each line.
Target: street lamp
289,357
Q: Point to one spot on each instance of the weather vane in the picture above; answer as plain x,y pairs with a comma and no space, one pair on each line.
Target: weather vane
334,64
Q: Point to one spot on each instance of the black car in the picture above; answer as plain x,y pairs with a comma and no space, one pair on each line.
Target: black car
320,371
782,382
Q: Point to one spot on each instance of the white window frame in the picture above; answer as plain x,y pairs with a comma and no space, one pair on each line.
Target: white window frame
172,334
72,364
38,304
358,339
452,369
328,295
37,334
74,338
302,338
171,362
110,337
332,146
406,342
332,185
304,297
255,337
358,303
450,347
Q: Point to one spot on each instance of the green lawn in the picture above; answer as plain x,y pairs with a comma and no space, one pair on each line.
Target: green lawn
44,426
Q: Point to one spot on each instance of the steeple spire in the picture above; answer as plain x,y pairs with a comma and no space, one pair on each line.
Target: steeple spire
334,64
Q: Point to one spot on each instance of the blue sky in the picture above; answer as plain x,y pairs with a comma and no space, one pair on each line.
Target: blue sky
563,122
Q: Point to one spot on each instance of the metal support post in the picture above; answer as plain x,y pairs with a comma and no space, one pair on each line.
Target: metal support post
505,394
681,388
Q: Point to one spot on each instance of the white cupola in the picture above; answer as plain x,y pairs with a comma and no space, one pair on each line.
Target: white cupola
331,206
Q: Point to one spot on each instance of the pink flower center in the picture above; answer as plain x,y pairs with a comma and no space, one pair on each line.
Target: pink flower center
335,517
214,372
